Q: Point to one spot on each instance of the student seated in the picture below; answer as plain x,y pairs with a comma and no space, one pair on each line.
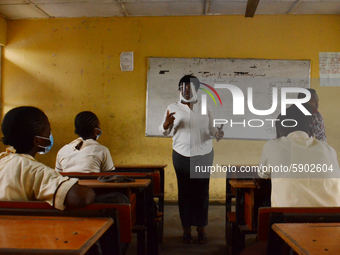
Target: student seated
85,154
304,171
27,131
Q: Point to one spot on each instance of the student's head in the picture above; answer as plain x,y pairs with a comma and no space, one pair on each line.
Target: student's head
313,101
286,124
87,125
184,85
26,128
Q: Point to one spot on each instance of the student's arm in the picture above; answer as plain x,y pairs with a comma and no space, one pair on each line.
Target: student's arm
106,164
79,196
57,164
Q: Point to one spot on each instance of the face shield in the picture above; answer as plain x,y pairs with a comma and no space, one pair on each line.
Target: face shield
188,93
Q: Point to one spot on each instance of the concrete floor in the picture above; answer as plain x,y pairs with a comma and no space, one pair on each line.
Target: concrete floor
172,240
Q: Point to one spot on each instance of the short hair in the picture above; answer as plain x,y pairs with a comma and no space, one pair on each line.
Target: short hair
20,125
303,95
85,122
302,121
187,79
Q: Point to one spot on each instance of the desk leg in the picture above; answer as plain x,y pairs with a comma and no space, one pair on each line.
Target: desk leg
152,242
238,236
228,204
249,209
141,214
239,207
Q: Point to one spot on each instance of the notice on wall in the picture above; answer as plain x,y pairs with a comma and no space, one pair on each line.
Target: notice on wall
126,61
329,68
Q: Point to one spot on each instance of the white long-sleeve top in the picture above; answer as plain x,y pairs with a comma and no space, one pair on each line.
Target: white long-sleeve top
192,131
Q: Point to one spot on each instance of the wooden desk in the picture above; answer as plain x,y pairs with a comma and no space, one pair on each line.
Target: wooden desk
145,205
243,184
310,238
245,210
138,183
50,235
141,166
242,221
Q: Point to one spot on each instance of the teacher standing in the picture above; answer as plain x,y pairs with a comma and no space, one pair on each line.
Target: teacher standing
192,146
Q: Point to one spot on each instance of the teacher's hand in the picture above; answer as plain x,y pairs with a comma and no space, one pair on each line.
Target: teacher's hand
169,119
219,134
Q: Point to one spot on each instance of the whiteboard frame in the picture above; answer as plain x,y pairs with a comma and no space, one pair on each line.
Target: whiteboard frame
165,91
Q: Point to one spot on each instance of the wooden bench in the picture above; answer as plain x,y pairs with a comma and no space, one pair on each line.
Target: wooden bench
115,241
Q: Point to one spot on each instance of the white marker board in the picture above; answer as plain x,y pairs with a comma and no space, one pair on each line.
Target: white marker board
260,74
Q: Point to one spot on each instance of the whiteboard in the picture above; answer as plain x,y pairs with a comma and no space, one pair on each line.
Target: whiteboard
259,74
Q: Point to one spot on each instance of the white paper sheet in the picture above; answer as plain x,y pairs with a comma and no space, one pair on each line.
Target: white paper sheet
329,68
126,61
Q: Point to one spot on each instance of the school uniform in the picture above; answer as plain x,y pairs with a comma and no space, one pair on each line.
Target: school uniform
91,157
304,171
22,178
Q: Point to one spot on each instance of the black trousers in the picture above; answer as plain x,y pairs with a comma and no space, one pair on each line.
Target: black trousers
193,193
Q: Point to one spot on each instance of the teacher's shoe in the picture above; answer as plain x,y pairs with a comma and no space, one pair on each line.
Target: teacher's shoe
202,238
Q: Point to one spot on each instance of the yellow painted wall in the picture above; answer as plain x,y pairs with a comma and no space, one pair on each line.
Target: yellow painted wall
65,66
3,31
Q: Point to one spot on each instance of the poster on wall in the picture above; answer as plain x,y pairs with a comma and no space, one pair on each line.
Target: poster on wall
329,69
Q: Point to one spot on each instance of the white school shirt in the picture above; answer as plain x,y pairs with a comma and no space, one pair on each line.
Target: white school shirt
22,178
298,148
192,131
91,158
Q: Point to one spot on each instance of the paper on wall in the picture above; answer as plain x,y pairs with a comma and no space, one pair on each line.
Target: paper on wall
126,61
329,68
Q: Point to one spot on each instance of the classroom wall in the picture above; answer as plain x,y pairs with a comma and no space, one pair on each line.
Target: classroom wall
3,31
65,66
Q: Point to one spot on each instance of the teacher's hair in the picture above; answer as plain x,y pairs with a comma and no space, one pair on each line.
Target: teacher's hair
186,79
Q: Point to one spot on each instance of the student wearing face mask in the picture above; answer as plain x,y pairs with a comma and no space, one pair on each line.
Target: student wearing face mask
27,131
85,154
192,146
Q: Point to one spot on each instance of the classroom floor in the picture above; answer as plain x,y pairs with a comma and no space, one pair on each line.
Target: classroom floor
172,240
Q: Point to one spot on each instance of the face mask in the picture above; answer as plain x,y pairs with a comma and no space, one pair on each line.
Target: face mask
47,148
99,133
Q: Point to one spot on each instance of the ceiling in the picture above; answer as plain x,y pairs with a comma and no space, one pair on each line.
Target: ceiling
42,9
